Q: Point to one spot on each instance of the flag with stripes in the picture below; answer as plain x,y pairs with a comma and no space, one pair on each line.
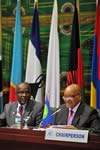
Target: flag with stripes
17,59
75,72
33,67
95,74
47,116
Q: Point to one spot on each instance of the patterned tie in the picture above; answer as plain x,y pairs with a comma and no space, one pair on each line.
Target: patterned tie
70,117
21,110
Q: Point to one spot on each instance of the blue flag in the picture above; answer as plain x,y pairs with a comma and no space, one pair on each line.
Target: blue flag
17,60
95,75
47,116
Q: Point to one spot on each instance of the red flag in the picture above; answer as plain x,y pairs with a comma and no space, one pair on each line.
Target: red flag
75,72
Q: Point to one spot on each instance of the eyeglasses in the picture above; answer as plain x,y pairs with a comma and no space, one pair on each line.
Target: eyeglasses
71,96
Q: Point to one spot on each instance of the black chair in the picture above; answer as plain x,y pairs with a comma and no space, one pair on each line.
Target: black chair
35,86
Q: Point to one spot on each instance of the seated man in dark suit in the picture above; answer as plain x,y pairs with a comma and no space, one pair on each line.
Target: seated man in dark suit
31,108
76,114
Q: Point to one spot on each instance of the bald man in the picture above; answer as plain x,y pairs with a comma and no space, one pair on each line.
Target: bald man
76,114
31,108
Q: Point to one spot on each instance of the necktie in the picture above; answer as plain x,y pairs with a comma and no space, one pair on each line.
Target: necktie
21,110
70,117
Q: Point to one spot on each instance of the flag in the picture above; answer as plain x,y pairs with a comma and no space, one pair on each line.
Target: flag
95,74
47,116
1,93
17,60
33,67
53,67
75,73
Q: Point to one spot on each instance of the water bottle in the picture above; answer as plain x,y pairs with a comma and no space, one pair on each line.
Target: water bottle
18,121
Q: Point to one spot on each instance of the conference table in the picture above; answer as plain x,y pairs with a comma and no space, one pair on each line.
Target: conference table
21,139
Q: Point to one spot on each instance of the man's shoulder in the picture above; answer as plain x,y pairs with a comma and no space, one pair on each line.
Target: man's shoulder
63,109
35,103
87,107
63,106
11,104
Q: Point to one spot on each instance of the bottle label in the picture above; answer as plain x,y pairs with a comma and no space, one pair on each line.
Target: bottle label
18,125
18,122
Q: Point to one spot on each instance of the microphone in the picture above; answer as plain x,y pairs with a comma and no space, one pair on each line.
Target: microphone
50,116
56,111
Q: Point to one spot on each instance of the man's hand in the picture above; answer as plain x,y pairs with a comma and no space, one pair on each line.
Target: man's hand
13,126
48,126
70,127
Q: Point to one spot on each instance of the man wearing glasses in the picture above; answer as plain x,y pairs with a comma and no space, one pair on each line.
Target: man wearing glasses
26,107
75,113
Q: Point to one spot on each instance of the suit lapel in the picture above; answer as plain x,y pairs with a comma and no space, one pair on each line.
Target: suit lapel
64,115
28,110
13,112
67,113
76,118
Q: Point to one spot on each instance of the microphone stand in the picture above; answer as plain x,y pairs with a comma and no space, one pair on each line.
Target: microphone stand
26,119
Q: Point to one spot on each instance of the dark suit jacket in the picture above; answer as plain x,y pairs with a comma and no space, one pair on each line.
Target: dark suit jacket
85,117
33,109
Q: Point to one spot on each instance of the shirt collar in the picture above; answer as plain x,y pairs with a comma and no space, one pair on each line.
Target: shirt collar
22,105
75,108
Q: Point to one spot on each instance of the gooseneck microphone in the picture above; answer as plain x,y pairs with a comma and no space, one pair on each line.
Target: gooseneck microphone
56,111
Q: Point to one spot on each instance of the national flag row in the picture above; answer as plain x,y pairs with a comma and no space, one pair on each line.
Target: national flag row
33,68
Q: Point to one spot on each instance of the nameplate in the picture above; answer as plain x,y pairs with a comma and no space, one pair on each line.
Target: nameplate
80,136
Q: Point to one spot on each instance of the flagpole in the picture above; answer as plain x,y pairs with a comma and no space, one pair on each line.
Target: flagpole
78,8
19,7
36,1
19,4
96,2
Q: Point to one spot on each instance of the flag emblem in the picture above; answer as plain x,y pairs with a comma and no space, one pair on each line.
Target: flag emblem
45,111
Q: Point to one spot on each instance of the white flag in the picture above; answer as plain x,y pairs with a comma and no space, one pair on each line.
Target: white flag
53,67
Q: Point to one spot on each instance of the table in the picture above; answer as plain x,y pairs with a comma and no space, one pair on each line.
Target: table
20,139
